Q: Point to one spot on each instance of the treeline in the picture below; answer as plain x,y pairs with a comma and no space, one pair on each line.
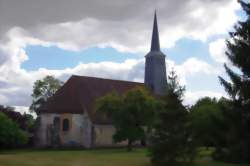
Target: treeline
173,132
16,129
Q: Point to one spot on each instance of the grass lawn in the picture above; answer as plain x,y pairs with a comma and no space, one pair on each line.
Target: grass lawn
107,157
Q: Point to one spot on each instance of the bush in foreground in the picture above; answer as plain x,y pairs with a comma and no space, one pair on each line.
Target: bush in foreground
11,135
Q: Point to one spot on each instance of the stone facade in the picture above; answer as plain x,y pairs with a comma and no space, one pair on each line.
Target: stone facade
81,132
103,136
155,72
78,132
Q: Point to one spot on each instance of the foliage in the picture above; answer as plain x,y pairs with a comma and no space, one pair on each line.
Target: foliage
202,117
43,89
132,114
10,134
175,92
237,115
25,121
171,141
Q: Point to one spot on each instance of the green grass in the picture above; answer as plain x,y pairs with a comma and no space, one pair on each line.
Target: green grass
106,157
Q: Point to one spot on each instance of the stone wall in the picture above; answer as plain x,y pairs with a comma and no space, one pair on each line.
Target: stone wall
155,72
79,133
42,134
103,136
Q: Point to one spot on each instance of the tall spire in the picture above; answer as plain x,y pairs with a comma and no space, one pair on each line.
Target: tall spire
155,66
155,43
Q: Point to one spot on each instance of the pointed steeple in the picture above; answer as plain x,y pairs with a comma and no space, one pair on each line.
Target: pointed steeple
155,43
155,66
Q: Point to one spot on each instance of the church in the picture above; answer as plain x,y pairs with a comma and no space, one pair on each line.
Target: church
68,118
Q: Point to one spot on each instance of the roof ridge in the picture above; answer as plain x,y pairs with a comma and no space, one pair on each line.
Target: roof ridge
91,77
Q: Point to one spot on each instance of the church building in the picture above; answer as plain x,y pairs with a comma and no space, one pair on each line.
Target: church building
68,118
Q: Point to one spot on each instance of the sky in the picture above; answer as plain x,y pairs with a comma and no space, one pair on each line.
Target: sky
109,39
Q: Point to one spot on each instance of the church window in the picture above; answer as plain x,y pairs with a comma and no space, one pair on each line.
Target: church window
65,125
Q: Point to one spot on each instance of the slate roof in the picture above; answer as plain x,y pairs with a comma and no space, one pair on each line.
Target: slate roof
79,94
155,42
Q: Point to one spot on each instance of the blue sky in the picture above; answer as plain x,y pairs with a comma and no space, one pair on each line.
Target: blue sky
56,58
109,39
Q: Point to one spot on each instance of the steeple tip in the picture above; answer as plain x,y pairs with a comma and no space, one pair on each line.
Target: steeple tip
155,43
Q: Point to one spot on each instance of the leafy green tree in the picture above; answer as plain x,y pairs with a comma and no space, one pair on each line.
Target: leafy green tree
43,89
132,114
24,121
171,140
10,134
202,116
237,115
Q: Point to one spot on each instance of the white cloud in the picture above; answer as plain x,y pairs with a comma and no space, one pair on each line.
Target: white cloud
24,110
102,24
224,17
125,31
3,99
217,50
194,66
192,96
26,24
19,87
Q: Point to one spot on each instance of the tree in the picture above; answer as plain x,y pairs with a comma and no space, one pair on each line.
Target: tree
10,134
237,133
175,91
171,140
44,89
24,121
202,116
131,114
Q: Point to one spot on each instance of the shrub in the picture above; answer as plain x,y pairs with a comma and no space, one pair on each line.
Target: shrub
10,134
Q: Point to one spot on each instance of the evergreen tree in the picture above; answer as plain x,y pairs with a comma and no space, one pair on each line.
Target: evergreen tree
171,140
237,133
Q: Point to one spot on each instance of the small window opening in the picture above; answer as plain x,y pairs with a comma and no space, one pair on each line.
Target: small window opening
65,125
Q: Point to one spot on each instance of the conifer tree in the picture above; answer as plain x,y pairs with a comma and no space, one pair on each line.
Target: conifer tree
237,133
171,140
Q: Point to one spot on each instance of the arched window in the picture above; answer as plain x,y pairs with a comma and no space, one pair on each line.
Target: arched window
65,125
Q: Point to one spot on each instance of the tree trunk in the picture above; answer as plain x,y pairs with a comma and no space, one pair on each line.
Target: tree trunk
129,147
